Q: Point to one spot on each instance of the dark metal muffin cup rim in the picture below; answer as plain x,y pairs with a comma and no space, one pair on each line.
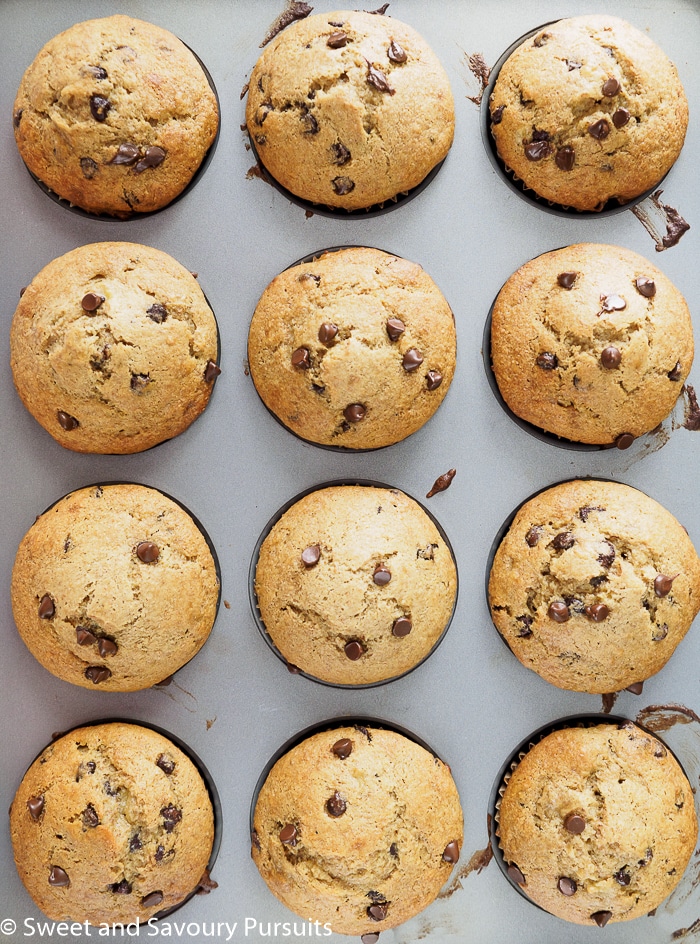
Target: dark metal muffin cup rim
253,599
514,183
134,214
201,768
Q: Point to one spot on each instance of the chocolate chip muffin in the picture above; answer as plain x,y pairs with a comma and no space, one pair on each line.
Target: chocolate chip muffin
114,587
357,828
114,348
112,822
594,586
354,349
349,109
588,110
597,824
591,343
115,116
355,584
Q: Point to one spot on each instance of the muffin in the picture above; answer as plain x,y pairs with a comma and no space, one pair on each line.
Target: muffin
588,110
591,343
349,109
114,587
597,824
357,828
355,584
114,348
594,586
356,348
112,822
115,115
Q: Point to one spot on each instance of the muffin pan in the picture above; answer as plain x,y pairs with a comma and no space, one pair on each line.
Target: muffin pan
235,704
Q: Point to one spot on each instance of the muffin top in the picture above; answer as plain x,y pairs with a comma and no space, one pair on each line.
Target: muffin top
113,348
354,349
114,587
357,827
591,343
594,586
115,115
349,109
355,584
588,110
597,823
111,822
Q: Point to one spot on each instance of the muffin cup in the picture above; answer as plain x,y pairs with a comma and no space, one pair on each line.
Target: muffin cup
254,599
128,217
513,182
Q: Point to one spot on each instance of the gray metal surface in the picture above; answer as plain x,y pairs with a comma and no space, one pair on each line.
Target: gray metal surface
235,703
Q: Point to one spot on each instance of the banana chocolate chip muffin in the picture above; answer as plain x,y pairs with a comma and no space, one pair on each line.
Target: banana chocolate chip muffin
354,349
355,584
594,586
357,828
115,116
588,110
112,822
114,348
597,824
114,587
349,109
591,343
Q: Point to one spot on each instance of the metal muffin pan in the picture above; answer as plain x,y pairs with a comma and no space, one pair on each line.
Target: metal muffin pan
234,704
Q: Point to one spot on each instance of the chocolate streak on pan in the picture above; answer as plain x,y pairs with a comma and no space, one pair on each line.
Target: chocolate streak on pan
478,861
481,71
293,11
692,410
676,226
693,929
663,717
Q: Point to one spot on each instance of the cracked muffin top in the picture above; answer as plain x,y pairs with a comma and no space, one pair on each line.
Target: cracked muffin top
357,827
588,110
114,587
355,349
115,116
111,822
594,586
355,584
113,348
591,343
349,109
597,824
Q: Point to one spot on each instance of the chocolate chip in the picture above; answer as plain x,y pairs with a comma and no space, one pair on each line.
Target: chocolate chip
337,39
451,852
537,150
575,824
558,611
621,117
370,938
354,412
152,157
606,560
84,637
152,899
107,647
567,886
68,422
661,632
567,279
300,358
497,114
565,158
563,541
343,185
58,878
89,817
99,106
17,117
525,632
396,52
135,843
597,612
126,154
288,835
354,650
395,328
317,388
611,87
412,360
547,361
660,751
157,313
342,748
648,856
573,64
394,850
610,358
88,167
645,286
97,72
599,129
336,805
255,839
402,626
533,535
97,674
293,669
433,379
635,688
623,877
121,888
663,585
378,80
162,854
675,373
311,555
311,123
92,301
624,440
377,912
35,805
381,575
166,764
327,332
584,512
541,39
601,918
613,302
47,609
515,874
211,371
171,817
147,551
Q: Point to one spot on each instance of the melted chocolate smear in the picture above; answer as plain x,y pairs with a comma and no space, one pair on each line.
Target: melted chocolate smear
206,884
676,226
681,932
381,11
608,702
477,863
293,11
657,718
692,410
481,71
442,482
